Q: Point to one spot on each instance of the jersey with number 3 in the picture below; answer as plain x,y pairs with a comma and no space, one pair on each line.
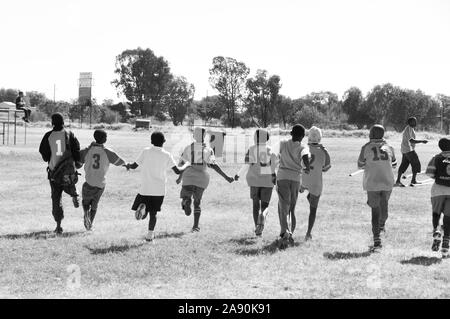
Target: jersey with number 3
96,160
57,141
377,158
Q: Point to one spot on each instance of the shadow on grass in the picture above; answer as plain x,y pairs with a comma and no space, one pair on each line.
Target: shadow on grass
113,249
169,235
422,261
347,255
267,249
41,235
247,241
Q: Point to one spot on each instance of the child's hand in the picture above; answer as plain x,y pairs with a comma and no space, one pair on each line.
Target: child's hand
127,166
236,177
230,179
302,189
178,181
306,170
274,179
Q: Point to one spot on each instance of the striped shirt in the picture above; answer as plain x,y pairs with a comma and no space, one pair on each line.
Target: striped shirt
436,189
97,159
377,158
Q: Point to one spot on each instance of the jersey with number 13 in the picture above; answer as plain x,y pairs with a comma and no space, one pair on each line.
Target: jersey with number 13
377,158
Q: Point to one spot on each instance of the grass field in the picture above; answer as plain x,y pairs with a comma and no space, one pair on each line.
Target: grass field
224,260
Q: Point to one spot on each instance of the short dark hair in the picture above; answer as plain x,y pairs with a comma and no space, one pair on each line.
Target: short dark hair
157,138
410,119
298,130
57,120
444,144
100,136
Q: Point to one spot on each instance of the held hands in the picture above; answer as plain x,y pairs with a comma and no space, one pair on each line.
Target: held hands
229,179
424,141
274,179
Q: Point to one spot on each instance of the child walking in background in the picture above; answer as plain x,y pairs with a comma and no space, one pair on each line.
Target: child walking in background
377,158
260,164
195,178
96,159
292,155
154,162
319,162
439,169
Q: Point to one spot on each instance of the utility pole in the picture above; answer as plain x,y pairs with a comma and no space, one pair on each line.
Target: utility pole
54,93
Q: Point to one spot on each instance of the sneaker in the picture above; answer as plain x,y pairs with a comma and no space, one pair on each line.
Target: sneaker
75,201
140,212
259,229
185,207
399,184
291,240
195,229
283,242
377,246
150,236
308,237
437,238
58,230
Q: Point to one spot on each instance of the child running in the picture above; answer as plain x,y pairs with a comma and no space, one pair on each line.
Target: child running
195,179
319,162
260,164
377,158
154,162
292,154
96,159
439,170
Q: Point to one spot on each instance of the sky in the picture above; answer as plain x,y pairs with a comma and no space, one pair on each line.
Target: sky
313,46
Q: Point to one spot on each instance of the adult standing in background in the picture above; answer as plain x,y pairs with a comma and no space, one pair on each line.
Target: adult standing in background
409,155
21,105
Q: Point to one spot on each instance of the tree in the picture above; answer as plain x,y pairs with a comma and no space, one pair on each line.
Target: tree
228,77
307,116
179,97
354,106
262,96
8,95
284,108
208,108
143,78
36,98
378,102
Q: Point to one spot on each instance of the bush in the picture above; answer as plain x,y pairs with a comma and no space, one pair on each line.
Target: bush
246,123
108,116
160,116
308,116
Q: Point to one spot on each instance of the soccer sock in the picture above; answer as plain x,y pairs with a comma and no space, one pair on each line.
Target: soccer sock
312,218
255,210
152,221
196,218
446,227
436,218
376,224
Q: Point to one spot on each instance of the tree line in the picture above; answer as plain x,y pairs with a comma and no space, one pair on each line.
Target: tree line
151,89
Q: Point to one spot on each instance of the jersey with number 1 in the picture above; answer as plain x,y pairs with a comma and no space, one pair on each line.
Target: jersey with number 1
57,141
96,160
377,158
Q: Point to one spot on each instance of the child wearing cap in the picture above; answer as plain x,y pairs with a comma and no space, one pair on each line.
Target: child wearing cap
377,158
260,164
195,179
154,162
292,155
96,159
439,169
319,162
